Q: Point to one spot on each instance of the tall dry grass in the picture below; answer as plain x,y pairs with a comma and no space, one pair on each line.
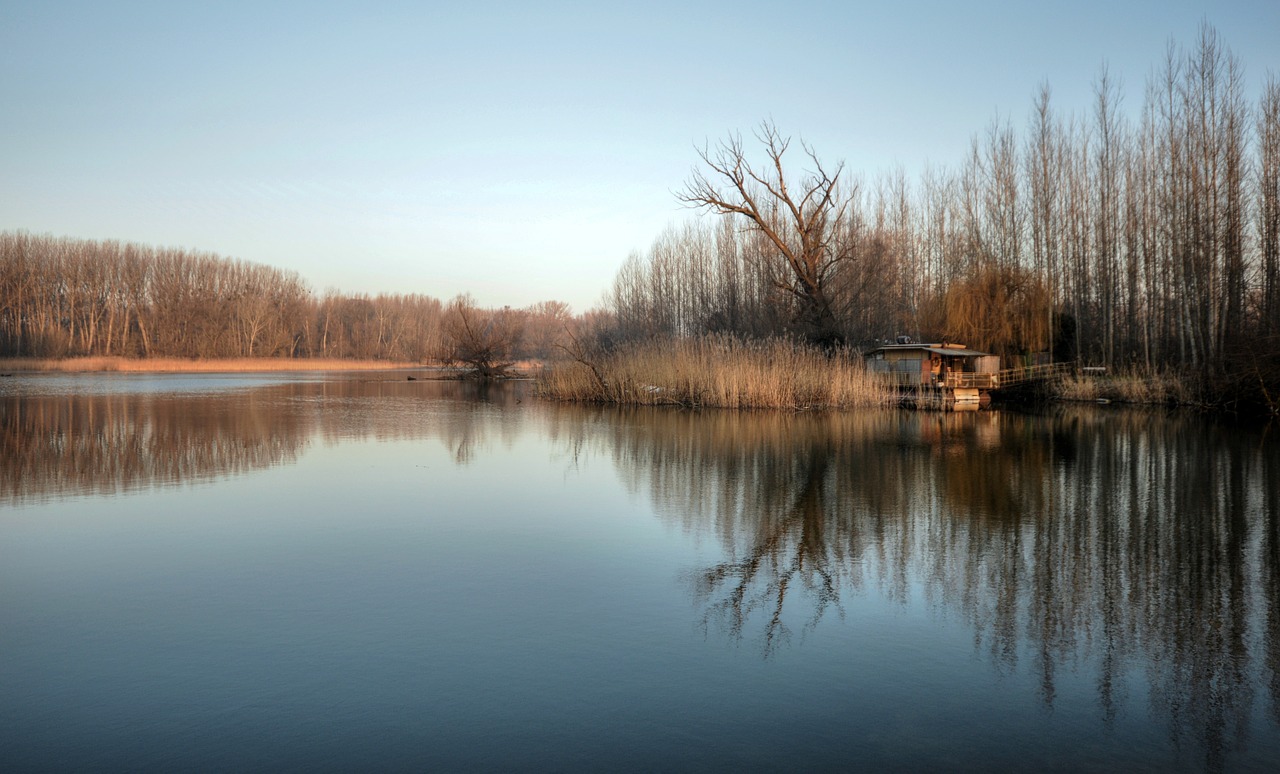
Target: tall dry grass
718,372
183,365
1130,386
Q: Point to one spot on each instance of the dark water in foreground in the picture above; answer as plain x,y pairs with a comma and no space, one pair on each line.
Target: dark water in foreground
350,574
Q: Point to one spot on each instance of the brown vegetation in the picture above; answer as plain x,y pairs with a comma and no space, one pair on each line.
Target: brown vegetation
719,372
1146,240
71,298
1005,311
802,230
1130,386
483,340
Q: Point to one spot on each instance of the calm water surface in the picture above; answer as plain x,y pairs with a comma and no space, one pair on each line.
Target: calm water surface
361,572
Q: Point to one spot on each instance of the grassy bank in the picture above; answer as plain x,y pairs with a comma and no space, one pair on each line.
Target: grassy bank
184,365
717,372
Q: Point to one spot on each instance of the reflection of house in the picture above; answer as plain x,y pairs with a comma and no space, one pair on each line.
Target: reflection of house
949,371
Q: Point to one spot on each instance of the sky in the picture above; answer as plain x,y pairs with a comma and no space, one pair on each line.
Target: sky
515,151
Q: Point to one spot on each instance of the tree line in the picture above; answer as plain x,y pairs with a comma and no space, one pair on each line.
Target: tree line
1149,239
62,297
1142,238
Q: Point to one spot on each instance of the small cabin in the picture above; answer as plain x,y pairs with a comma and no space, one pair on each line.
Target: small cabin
935,365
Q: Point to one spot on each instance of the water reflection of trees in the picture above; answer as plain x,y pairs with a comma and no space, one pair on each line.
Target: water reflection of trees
466,416
54,445
1113,544
103,444
1121,541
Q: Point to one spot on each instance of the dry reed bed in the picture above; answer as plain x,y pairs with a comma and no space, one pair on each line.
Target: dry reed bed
184,365
717,372
1128,387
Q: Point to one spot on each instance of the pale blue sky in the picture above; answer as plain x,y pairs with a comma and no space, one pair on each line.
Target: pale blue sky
518,151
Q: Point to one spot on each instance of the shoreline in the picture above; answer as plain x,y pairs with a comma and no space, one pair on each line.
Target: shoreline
110,364
160,365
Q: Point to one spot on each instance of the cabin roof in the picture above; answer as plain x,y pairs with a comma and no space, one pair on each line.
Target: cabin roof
945,350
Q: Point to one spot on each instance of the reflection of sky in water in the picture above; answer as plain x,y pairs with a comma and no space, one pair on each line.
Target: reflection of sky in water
144,383
449,582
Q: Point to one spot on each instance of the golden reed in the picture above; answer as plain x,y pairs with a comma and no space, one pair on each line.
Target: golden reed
1130,386
718,372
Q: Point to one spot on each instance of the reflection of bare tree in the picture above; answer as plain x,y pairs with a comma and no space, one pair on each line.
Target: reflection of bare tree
772,485
791,549
1270,579
1123,546
480,412
463,414
466,416
1129,543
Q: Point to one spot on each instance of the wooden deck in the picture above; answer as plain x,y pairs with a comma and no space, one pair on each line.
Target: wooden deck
962,387
1007,377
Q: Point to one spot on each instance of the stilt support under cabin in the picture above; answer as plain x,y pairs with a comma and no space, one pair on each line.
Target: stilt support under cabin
942,398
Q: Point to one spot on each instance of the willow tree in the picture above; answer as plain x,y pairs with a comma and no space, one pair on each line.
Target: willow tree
1003,310
801,222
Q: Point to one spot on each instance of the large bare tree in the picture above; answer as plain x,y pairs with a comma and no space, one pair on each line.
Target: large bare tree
1268,118
802,222
484,340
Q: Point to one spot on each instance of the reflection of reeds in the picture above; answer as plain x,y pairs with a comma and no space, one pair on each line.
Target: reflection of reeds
186,365
718,372
1135,542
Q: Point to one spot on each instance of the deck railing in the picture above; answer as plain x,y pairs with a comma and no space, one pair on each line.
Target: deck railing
1033,373
1007,377
965,379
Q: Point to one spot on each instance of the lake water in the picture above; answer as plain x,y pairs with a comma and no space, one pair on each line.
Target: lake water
361,572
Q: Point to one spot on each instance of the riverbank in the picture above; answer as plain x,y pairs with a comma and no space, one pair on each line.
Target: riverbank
1232,391
164,365
202,365
1128,387
717,372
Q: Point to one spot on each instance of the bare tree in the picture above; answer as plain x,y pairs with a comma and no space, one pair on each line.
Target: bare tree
484,340
1269,202
1105,179
803,224
545,326
1044,174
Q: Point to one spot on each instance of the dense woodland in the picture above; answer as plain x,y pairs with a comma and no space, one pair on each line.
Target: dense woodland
1145,238
64,297
1124,238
